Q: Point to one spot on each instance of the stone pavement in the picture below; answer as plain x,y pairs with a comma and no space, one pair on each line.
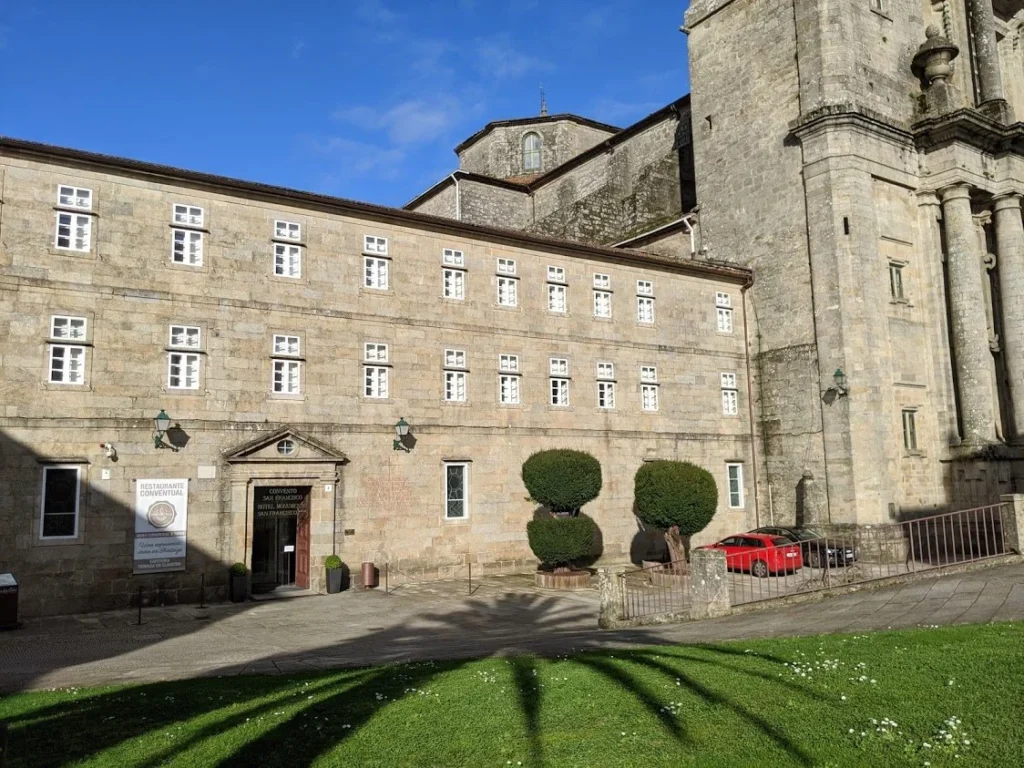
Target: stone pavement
440,621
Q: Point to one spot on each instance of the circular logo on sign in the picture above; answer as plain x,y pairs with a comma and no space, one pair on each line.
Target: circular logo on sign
161,514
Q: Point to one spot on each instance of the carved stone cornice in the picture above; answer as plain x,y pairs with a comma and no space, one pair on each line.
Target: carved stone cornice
972,128
849,116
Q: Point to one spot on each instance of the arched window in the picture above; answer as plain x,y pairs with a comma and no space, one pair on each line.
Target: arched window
531,152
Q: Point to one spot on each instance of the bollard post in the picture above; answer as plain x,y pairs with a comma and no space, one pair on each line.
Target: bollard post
386,589
470,579
709,584
609,585
140,606
202,590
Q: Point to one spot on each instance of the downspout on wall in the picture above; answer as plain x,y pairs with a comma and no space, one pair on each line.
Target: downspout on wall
458,196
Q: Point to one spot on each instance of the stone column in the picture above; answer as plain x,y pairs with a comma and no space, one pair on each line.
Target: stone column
609,588
709,584
983,26
1013,522
1010,252
967,311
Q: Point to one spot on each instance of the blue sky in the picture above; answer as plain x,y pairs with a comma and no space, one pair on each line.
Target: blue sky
359,98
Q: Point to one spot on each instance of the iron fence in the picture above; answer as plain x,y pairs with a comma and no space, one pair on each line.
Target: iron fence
657,589
868,553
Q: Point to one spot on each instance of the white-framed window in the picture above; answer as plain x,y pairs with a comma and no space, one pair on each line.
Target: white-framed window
602,304
723,308
730,394
506,266
287,377
644,288
508,291
66,327
376,373
456,490
374,244
74,231
605,385
556,298
644,309
734,473
187,247
453,284
287,230
74,197
508,379
531,152
602,282
896,281
375,273
188,336
183,370
453,258
455,375
189,215
287,260
558,369
58,513
287,345
648,387
556,275
910,430
67,364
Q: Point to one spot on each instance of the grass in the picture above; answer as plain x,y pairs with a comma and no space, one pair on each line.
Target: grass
825,700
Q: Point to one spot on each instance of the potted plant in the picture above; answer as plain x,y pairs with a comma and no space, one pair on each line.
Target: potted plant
239,582
678,498
335,572
562,481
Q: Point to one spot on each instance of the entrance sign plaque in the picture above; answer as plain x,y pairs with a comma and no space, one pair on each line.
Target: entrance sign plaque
161,523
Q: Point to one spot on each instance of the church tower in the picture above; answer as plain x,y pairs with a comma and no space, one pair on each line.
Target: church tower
863,158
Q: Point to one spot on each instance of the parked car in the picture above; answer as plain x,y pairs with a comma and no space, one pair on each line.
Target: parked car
815,548
760,554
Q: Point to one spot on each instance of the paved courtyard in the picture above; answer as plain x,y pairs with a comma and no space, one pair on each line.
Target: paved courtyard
438,621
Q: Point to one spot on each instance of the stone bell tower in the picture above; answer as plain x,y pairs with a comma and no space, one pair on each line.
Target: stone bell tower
862,157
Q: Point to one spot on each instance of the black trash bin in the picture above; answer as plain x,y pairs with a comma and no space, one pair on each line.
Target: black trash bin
8,601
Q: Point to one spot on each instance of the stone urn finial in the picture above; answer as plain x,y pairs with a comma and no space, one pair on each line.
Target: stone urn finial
932,61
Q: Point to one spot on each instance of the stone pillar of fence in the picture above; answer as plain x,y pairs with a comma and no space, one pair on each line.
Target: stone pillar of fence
609,587
709,584
1013,521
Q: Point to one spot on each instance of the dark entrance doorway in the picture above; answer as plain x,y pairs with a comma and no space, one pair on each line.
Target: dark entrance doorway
280,537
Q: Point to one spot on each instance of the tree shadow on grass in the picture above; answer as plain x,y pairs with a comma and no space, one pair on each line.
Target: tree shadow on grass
310,715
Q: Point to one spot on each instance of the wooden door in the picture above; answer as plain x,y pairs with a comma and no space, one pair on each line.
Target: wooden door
302,542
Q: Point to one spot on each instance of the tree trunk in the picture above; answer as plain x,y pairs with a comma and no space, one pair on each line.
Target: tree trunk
678,549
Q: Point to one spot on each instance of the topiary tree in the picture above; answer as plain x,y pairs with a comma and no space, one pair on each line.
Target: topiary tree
562,480
678,497
560,541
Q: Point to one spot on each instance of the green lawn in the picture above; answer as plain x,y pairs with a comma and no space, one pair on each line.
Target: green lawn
810,701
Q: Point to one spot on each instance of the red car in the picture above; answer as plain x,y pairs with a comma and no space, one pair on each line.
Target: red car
760,554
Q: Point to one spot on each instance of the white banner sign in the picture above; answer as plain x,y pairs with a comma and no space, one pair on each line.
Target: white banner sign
161,522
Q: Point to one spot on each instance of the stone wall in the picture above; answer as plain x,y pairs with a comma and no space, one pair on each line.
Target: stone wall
384,505
487,204
499,153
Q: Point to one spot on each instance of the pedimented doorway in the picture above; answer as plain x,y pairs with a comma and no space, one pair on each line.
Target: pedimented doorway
280,537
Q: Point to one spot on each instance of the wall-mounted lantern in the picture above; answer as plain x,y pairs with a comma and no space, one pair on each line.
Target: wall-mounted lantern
402,430
162,422
840,379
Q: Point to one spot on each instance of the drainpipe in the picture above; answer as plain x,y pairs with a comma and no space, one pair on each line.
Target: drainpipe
750,402
693,242
458,197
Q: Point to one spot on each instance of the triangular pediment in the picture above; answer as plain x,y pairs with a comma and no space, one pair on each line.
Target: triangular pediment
272,446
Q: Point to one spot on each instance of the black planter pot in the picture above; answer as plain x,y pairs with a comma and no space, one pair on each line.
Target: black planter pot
239,588
334,577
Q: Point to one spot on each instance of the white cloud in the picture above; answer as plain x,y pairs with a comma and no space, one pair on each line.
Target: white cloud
497,58
351,158
297,48
415,121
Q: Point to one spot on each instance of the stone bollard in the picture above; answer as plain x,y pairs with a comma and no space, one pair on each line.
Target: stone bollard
609,588
709,584
1013,521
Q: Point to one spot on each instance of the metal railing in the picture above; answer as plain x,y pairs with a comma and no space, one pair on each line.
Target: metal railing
657,589
869,553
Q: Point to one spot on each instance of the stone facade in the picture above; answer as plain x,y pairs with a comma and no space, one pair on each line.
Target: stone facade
367,500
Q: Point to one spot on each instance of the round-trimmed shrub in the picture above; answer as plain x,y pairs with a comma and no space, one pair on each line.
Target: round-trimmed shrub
678,497
239,569
332,562
562,480
558,541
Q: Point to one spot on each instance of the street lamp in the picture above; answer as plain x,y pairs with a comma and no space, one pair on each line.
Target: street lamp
162,422
402,430
840,379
